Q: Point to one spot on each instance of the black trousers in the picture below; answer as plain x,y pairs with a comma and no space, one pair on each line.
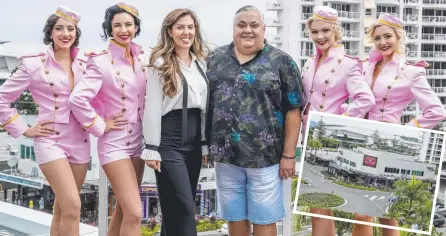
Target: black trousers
180,169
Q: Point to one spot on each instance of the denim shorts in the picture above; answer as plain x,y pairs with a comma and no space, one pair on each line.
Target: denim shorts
254,194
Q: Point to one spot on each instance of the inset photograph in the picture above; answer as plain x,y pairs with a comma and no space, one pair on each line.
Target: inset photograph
361,168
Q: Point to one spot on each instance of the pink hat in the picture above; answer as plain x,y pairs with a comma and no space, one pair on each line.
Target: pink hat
390,20
68,14
325,13
128,8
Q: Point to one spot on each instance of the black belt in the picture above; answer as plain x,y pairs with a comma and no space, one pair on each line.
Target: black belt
185,98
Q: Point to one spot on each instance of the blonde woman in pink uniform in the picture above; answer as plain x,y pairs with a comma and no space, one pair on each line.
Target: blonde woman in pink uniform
396,83
330,78
109,103
61,145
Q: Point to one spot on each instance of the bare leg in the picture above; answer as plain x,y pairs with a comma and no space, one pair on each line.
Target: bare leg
389,232
115,223
321,226
79,171
59,175
265,230
239,228
122,177
362,230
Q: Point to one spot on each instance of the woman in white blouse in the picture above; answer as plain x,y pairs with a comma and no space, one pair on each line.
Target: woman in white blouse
174,119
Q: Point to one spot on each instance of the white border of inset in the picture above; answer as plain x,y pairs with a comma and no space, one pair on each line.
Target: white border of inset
302,160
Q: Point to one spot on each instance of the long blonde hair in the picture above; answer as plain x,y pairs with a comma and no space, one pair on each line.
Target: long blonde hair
400,34
165,49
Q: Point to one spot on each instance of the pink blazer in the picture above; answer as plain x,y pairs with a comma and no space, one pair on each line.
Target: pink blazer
48,84
398,84
109,88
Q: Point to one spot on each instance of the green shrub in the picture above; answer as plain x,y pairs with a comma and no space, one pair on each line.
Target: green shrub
320,200
357,186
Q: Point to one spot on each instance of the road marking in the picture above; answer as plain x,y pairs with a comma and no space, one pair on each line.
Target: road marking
382,197
367,196
373,197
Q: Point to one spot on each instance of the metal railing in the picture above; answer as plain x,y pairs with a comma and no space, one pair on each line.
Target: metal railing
393,14
433,54
436,72
433,36
412,1
103,205
305,16
410,17
349,14
434,19
273,22
304,34
306,53
412,54
351,34
439,89
273,6
412,36
434,1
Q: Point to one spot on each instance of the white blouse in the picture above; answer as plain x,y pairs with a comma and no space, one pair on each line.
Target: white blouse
158,105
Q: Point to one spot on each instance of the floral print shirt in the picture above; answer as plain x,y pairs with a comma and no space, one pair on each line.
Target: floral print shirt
248,105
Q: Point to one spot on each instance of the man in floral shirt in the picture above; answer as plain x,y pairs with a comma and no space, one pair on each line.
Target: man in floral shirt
255,107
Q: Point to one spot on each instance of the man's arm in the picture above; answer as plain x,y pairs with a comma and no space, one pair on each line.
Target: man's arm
292,130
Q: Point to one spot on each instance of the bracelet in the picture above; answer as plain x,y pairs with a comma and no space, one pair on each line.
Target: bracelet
289,158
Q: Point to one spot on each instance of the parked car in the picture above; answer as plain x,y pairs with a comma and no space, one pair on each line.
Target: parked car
438,220
224,229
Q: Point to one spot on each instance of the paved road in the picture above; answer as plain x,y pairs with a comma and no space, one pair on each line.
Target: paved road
360,201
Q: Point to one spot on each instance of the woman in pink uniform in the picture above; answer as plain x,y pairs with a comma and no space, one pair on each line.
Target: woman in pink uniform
61,145
109,102
330,78
396,83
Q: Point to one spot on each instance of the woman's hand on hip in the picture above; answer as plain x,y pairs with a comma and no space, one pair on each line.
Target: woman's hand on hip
115,124
156,165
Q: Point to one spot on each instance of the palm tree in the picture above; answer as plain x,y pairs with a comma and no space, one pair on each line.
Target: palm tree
412,190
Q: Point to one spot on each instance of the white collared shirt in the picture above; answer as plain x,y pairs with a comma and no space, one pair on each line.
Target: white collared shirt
158,104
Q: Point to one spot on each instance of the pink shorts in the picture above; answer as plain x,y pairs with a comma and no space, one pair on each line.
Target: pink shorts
121,144
70,141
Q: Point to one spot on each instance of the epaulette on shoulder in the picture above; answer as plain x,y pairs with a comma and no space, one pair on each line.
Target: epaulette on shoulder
419,64
31,55
95,54
81,60
352,57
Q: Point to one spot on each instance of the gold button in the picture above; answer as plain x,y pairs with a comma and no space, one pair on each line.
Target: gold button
311,91
339,60
323,94
130,131
332,70
118,73
104,50
87,54
57,133
389,86
326,81
142,52
43,59
55,95
56,107
384,98
112,62
123,109
123,97
139,108
85,140
143,69
122,85
396,77
402,68
85,72
47,71
321,106
51,84
128,143
382,109
80,63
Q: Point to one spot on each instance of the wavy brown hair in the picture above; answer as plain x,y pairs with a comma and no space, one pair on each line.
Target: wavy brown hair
166,49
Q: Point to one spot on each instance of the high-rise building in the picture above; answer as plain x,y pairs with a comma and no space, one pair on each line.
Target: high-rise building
425,26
